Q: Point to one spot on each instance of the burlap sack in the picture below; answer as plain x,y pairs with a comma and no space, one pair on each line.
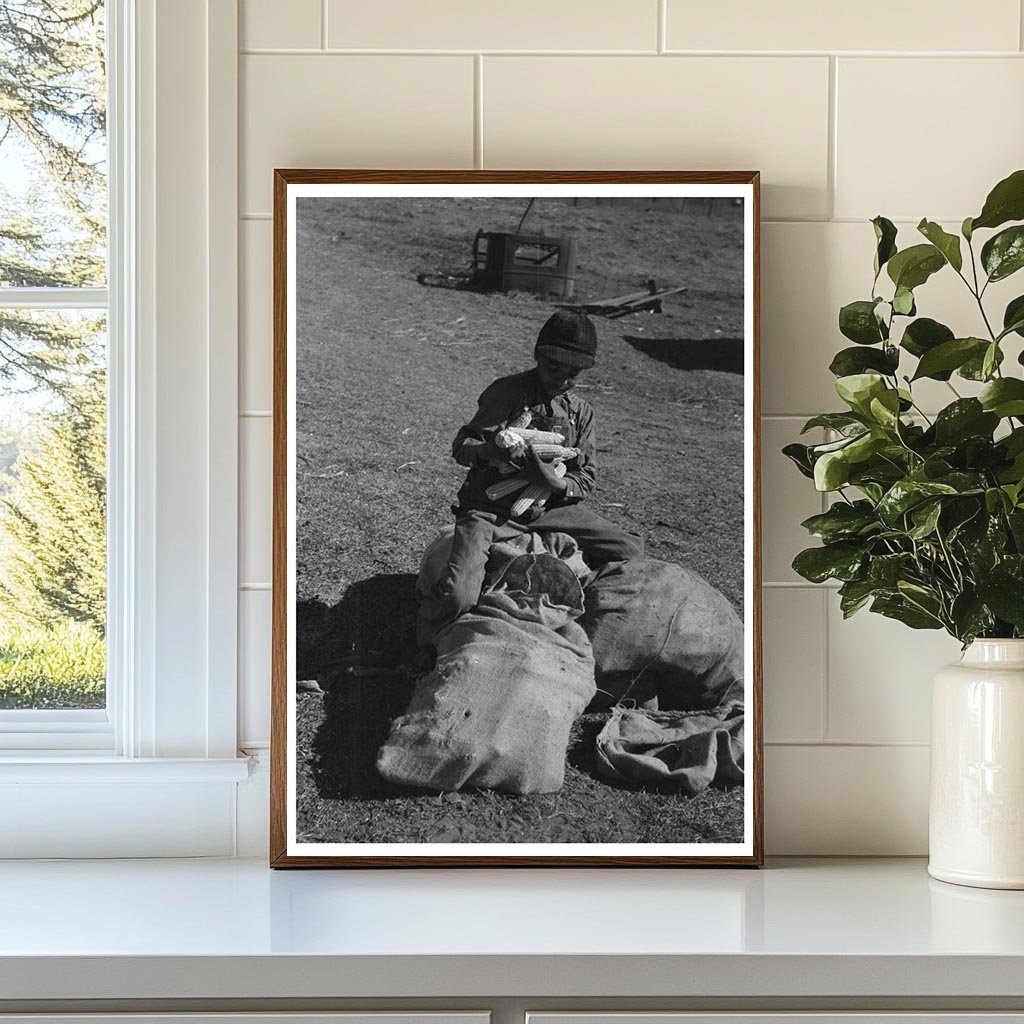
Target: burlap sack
510,679
682,750
659,630
510,541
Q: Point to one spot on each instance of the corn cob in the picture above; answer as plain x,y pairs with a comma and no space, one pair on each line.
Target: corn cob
554,451
535,436
503,487
534,492
522,420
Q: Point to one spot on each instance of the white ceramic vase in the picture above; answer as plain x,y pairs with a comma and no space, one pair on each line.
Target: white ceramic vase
976,816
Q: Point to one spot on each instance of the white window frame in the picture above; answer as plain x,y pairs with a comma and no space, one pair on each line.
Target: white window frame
171,719
64,730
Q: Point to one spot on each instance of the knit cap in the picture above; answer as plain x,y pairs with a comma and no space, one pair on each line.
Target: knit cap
569,336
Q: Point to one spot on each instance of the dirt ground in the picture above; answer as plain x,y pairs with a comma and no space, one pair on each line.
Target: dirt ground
387,370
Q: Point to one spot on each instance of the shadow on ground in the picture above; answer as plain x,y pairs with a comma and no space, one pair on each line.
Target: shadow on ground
372,625
724,354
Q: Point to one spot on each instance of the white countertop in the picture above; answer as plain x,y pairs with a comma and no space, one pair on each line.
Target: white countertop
235,929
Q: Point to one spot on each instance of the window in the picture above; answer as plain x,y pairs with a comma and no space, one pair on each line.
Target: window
158,317
53,370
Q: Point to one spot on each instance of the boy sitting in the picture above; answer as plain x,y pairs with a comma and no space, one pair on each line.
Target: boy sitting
566,346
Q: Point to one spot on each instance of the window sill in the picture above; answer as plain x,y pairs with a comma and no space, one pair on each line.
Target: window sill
77,766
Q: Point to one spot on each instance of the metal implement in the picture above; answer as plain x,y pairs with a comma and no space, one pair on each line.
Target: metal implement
634,302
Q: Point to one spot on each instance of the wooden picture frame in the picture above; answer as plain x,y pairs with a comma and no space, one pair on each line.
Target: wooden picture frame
369,250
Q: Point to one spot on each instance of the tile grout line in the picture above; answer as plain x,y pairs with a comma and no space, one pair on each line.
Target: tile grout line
478,111
662,41
847,744
323,24
336,51
1020,24
831,170
825,723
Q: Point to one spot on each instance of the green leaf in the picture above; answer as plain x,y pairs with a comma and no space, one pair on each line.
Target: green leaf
923,335
858,389
841,421
1005,202
906,494
990,361
1004,397
842,521
1003,254
965,229
831,471
1013,317
854,595
887,570
897,607
950,355
1005,596
885,237
850,361
925,518
840,561
966,417
857,321
913,266
885,410
903,302
974,368
971,617
947,244
799,455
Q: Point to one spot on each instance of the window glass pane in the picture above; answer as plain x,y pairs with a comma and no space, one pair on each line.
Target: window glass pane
53,150
52,509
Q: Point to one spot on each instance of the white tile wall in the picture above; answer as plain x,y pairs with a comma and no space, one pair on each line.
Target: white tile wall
255,509
879,678
260,25
700,113
794,664
256,355
971,110
874,25
471,25
330,110
838,138
253,664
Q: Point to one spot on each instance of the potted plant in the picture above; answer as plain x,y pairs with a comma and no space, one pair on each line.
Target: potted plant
927,521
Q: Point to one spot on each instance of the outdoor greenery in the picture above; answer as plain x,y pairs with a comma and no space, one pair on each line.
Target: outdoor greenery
52,366
928,522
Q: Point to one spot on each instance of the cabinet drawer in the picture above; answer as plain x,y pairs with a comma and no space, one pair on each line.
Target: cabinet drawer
360,1017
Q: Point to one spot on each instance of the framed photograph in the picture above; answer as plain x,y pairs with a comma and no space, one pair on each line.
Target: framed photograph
516,587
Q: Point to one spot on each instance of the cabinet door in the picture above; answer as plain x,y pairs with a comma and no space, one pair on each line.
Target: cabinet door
785,1017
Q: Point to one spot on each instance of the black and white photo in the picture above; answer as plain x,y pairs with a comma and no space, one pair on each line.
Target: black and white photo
516,567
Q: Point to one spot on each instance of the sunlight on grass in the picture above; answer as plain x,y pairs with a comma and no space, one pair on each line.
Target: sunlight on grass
62,667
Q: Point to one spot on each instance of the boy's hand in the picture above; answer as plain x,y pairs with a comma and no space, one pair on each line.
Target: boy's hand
538,471
486,451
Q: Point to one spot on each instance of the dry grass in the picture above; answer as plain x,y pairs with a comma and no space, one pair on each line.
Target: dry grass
388,370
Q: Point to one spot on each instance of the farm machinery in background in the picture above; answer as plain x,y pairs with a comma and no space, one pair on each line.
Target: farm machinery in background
505,261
